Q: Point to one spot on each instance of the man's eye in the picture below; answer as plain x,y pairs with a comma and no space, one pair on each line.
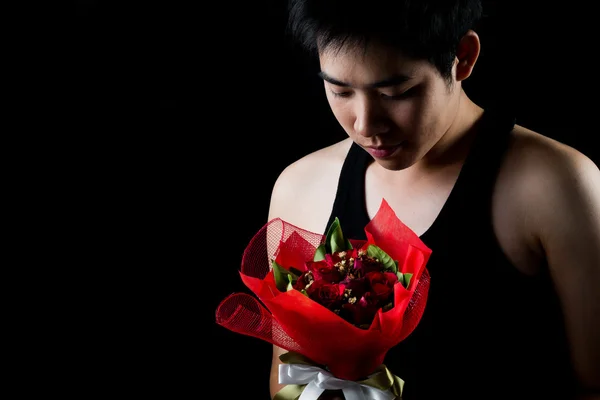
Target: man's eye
398,96
340,94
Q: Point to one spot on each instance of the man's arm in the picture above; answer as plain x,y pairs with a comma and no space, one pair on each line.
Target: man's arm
567,215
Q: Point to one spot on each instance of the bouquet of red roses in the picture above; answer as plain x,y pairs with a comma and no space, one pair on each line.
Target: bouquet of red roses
336,304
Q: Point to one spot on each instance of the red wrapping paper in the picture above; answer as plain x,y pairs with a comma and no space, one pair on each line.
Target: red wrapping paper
297,323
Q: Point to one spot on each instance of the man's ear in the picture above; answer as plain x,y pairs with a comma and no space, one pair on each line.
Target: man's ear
467,53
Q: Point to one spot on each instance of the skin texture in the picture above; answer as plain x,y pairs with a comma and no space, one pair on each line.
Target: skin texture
434,120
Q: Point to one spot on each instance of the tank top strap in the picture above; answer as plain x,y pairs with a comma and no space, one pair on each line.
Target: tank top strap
349,205
478,175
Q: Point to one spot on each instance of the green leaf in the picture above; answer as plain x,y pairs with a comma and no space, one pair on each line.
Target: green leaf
281,277
404,279
335,237
291,281
334,241
348,245
334,225
389,265
407,277
320,252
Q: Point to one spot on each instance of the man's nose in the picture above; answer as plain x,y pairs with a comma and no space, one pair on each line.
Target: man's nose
370,118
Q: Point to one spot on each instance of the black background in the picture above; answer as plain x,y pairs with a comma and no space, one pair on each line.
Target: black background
182,115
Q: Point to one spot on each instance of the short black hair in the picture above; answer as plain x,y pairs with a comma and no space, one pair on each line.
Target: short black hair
421,29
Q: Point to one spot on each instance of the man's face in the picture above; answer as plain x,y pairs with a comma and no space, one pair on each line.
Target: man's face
395,107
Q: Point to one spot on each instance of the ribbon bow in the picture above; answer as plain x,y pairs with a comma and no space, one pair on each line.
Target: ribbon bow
306,381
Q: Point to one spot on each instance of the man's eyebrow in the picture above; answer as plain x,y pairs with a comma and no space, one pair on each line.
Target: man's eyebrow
391,81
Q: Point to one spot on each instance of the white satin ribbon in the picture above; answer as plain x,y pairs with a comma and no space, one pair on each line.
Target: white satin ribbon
317,380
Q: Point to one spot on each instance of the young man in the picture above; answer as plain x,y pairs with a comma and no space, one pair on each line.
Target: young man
512,217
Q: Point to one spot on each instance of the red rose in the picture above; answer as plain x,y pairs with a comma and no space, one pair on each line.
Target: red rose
382,284
363,310
324,270
356,287
303,280
364,265
329,295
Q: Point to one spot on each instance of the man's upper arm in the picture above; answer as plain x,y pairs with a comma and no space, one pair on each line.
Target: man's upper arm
568,215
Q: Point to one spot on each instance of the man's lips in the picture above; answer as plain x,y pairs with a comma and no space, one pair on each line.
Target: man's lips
382,151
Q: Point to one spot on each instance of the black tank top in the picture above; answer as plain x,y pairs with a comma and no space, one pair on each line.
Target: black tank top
488,331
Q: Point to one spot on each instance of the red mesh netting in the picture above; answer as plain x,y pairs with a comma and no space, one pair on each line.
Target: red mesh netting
296,323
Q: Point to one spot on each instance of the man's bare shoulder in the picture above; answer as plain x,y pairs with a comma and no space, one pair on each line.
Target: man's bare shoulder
312,163
541,175
304,191
532,154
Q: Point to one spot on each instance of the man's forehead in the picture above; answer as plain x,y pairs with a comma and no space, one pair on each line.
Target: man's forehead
344,69
372,56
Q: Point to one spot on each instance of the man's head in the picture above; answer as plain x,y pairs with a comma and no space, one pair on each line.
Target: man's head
392,69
